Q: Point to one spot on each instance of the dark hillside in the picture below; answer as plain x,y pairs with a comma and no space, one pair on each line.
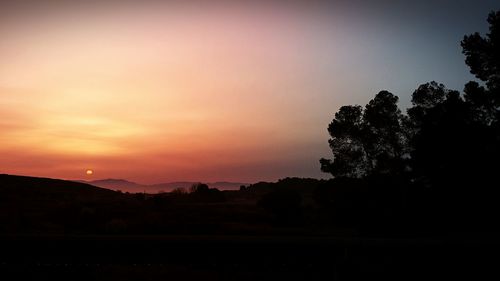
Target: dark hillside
43,205
32,187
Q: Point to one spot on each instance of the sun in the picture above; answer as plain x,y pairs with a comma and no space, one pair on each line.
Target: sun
89,172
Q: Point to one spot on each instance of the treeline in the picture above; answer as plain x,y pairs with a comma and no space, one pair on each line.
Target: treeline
438,164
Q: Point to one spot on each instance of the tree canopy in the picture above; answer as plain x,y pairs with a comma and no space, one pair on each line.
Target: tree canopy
444,136
441,157
367,141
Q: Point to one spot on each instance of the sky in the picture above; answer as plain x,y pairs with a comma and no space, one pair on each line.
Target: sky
221,91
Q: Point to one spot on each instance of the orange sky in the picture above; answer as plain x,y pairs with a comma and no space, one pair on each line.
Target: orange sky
164,92
155,96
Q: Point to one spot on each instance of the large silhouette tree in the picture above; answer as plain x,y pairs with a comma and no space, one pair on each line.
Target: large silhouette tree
439,128
443,132
447,145
483,102
367,141
384,134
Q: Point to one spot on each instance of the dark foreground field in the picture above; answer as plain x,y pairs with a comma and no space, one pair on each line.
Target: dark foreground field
244,258
295,229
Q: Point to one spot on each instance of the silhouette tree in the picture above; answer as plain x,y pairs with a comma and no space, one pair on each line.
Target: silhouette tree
483,54
443,132
448,142
437,120
202,193
384,134
369,141
350,158
483,57
456,138
199,188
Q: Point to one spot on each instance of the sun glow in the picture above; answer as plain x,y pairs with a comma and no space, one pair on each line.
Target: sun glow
155,98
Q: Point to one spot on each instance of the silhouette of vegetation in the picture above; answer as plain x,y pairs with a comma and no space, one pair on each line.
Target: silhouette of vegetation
442,154
199,188
284,204
179,191
44,206
201,192
367,141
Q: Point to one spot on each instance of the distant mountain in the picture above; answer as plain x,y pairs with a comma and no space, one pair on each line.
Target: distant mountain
117,184
132,187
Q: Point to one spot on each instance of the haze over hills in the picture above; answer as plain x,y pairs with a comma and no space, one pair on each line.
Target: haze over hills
133,187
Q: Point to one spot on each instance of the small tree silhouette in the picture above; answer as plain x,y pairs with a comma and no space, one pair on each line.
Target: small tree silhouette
199,188
202,193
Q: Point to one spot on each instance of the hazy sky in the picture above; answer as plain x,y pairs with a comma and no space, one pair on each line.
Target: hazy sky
164,92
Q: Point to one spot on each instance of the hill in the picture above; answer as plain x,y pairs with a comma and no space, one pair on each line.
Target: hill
27,187
30,205
43,205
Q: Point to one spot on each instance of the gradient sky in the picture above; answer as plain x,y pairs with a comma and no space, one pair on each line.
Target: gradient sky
165,92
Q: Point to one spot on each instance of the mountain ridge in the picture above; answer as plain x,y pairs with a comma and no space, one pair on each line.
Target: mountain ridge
134,187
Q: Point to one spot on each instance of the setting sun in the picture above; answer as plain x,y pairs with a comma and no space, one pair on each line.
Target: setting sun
89,172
